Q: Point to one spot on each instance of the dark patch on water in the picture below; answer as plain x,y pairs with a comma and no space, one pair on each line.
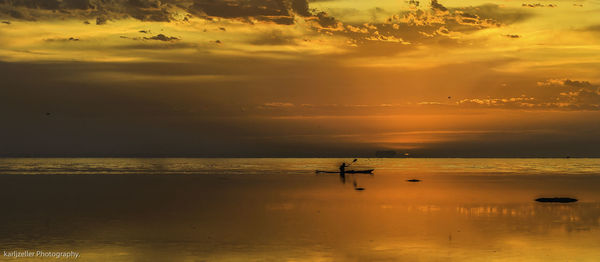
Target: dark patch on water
556,199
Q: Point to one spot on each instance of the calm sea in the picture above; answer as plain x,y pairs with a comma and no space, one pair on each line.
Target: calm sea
270,166
188,209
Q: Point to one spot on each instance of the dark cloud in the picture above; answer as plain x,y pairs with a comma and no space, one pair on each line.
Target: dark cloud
437,6
578,84
161,37
513,36
241,8
275,11
413,2
101,20
300,7
78,4
101,10
70,39
412,27
538,5
324,20
160,45
13,14
144,3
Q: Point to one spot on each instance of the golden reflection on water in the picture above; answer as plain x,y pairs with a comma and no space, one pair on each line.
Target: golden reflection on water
300,216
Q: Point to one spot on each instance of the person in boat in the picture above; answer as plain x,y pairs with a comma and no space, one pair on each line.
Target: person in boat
343,167
343,173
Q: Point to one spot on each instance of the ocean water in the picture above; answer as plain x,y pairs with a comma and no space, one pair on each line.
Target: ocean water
176,209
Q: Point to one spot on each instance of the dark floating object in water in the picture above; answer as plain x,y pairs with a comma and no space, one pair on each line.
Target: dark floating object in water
369,171
359,188
556,199
413,180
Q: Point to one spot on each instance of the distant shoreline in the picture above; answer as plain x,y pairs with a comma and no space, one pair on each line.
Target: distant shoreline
286,157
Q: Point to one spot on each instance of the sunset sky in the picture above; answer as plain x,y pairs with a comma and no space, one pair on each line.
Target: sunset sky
291,78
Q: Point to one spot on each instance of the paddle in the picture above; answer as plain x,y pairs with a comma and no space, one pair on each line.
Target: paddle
353,161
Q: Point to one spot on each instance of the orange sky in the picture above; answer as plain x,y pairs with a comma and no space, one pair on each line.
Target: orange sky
297,78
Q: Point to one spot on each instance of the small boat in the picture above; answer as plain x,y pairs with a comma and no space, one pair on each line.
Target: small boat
368,171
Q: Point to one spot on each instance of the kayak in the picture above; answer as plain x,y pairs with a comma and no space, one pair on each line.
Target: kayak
368,171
